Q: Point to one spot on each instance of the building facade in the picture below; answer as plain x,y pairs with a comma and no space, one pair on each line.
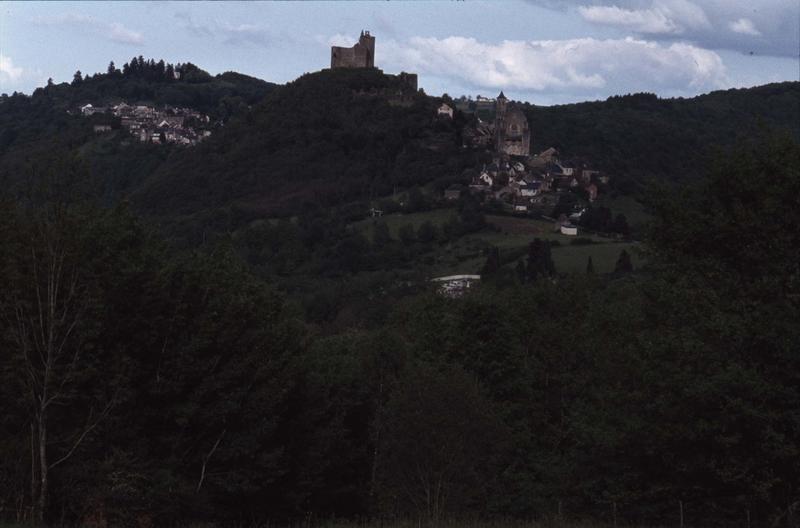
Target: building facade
512,134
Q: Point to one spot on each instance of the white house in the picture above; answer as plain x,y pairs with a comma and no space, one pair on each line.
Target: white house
455,285
569,230
445,110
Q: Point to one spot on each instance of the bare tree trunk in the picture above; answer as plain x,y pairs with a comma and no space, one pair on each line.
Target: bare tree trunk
377,440
42,508
206,459
34,498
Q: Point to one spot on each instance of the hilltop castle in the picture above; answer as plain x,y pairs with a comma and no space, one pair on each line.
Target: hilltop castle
512,134
361,55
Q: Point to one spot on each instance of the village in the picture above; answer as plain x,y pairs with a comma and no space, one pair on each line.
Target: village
148,124
521,193
517,181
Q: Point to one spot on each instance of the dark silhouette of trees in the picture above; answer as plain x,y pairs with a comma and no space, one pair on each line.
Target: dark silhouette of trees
623,264
492,264
540,261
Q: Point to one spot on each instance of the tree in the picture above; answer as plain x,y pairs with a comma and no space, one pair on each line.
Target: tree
406,234
112,70
416,200
492,263
77,78
624,264
160,70
48,308
540,260
427,232
441,435
522,274
620,225
381,235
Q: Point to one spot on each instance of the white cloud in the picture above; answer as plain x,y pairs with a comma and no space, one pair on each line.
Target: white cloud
119,33
744,26
8,70
233,34
583,65
643,21
711,24
661,17
344,41
114,31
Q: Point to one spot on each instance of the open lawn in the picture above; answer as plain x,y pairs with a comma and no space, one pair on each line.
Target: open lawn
573,259
511,235
395,221
634,211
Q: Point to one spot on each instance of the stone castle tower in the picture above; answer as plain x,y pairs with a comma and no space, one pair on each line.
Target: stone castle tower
361,55
512,134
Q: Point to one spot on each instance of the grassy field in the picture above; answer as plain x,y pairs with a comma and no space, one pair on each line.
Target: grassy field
511,235
395,221
633,210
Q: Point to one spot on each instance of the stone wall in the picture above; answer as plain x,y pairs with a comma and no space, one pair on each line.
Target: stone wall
361,55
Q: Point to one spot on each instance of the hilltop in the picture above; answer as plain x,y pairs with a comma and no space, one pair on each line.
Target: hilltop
344,135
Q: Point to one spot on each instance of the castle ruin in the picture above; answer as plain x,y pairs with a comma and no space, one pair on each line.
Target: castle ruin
512,134
361,55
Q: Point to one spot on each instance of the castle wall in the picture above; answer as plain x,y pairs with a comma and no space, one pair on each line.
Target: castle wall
361,55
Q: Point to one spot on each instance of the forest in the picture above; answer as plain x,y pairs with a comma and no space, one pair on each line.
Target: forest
204,336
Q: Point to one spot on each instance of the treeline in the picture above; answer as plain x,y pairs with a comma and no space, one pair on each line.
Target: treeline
145,385
638,138
327,138
159,83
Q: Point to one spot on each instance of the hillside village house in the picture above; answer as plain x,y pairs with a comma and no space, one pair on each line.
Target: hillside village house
569,230
150,124
455,285
445,111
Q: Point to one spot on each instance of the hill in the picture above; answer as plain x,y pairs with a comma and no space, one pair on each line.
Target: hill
329,137
294,365
638,137
349,136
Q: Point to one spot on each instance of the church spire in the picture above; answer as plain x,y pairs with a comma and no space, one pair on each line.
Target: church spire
502,95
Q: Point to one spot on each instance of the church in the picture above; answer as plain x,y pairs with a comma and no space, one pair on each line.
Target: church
512,135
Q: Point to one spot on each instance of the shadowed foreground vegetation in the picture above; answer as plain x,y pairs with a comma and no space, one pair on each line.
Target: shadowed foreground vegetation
237,370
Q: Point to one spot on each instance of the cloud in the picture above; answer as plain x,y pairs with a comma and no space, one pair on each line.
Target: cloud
231,34
8,70
579,66
710,24
649,21
662,17
744,26
344,41
113,31
119,33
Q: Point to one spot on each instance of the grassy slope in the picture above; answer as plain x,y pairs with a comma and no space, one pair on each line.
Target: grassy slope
511,235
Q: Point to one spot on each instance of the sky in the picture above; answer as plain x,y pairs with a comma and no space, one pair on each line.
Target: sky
542,51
